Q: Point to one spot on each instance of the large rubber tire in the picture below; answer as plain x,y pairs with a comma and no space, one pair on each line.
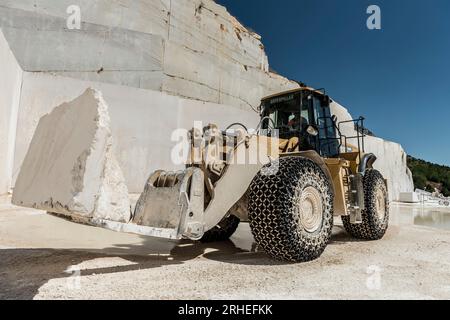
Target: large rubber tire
223,231
291,210
376,214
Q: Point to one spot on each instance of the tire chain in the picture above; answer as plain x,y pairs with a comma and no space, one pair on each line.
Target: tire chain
274,218
371,228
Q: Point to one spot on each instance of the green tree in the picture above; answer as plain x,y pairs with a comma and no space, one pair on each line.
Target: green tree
425,174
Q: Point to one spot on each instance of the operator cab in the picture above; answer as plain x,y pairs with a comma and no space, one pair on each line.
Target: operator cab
304,114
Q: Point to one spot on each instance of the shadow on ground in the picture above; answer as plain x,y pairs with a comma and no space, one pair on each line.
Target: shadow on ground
341,237
24,271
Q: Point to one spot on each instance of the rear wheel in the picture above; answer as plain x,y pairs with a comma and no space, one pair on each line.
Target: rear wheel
291,209
223,231
376,214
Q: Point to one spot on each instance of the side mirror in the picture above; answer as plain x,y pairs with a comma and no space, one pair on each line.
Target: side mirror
261,109
326,101
313,131
334,118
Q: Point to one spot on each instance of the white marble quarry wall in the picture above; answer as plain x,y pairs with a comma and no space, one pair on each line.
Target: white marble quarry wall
142,121
207,27
196,24
147,16
201,76
161,64
189,48
42,44
10,84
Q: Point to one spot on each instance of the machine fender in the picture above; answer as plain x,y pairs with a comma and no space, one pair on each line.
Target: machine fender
367,162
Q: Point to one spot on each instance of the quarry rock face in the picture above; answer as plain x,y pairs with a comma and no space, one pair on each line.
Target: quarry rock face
142,121
392,163
70,167
160,65
188,48
10,84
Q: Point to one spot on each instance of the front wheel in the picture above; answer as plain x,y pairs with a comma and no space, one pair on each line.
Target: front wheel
291,210
375,216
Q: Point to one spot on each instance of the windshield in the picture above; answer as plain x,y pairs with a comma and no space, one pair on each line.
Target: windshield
292,114
287,116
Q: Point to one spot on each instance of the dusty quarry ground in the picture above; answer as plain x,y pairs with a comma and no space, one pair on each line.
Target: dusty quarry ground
41,257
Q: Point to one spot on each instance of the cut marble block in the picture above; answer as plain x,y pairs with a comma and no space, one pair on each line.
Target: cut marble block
70,167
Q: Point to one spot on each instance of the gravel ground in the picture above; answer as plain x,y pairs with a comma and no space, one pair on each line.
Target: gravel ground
43,257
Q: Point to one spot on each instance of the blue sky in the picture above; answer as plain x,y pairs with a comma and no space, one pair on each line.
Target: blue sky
397,77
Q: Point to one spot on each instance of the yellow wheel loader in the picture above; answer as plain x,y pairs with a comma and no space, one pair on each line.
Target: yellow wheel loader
288,178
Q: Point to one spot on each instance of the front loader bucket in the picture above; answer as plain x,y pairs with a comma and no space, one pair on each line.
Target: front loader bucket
171,207
172,204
